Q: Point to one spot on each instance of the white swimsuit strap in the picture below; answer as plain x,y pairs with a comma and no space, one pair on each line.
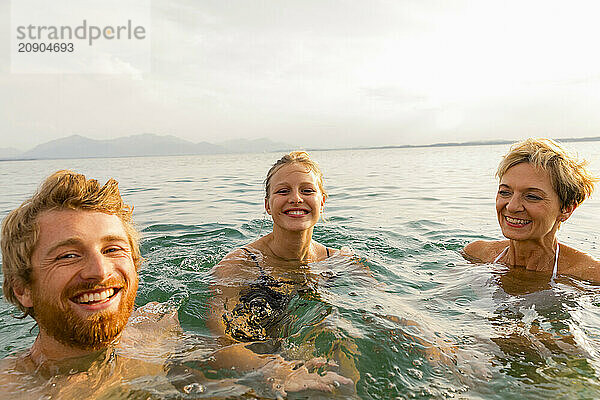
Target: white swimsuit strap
501,254
555,270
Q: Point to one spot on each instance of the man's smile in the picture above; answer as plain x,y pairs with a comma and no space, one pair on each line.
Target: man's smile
95,297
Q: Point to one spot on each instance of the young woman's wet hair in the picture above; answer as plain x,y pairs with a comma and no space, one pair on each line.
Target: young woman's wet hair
295,157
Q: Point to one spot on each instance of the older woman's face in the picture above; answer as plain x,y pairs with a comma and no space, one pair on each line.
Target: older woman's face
528,208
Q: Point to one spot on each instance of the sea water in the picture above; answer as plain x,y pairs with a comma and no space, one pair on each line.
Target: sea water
406,213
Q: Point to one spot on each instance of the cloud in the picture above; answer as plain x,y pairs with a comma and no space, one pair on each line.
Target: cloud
393,94
326,73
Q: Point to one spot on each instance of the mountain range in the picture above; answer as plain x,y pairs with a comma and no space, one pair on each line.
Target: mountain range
77,146
147,144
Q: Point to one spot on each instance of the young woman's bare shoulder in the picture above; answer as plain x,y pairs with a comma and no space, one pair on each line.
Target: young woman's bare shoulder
484,251
344,250
326,250
238,263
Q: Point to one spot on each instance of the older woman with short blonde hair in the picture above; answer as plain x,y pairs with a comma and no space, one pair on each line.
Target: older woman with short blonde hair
540,185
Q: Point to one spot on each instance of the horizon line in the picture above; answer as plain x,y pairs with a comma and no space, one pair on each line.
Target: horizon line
492,142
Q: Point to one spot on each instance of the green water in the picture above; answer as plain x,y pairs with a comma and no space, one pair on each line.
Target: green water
406,213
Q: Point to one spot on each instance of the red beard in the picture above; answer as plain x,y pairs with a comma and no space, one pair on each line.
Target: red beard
92,333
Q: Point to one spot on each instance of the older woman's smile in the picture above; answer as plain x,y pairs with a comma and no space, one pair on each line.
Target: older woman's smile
528,207
541,184
516,222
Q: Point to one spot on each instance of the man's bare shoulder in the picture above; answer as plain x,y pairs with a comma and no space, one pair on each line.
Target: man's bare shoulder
7,372
484,251
7,364
17,362
12,371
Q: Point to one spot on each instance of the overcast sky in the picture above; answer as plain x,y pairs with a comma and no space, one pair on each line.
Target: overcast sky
330,73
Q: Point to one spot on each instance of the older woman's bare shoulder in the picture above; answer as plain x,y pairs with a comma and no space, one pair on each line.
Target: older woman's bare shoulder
484,251
579,264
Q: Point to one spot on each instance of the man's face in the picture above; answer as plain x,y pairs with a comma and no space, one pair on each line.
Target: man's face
84,281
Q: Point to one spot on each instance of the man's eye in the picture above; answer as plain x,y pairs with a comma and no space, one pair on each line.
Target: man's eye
66,256
504,193
309,191
282,191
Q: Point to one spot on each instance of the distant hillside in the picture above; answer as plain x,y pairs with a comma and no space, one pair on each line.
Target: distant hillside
77,146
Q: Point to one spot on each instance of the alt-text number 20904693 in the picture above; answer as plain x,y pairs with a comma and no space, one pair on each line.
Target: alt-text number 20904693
26,47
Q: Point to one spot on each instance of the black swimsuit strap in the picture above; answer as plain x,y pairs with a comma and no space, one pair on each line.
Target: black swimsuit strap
253,257
263,274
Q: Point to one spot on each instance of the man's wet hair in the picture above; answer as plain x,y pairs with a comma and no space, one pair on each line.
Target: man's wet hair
63,190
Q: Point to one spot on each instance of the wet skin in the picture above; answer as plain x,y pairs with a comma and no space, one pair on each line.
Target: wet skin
530,213
84,282
295,200
527,206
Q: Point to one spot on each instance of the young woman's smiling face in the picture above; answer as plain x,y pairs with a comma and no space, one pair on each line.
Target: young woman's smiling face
295,200
528,208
